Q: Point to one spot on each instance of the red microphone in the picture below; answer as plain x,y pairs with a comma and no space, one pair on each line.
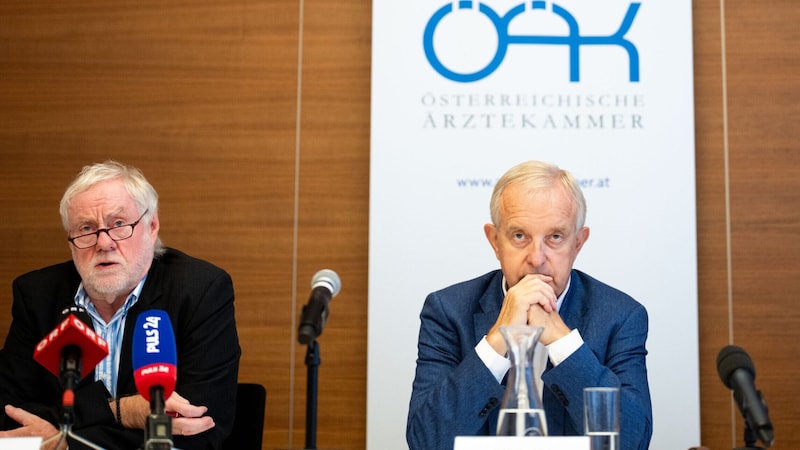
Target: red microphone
70,352
72,338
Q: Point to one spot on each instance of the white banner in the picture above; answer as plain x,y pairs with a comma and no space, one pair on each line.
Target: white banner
462,91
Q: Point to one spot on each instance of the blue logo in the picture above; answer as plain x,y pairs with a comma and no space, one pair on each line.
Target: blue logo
574,41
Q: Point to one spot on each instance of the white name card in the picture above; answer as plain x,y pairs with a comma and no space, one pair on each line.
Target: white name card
20,443
521,443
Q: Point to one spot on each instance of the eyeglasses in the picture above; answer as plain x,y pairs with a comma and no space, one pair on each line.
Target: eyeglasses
119,233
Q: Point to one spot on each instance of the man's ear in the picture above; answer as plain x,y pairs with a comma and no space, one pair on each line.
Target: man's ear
155,225
491,235
583,236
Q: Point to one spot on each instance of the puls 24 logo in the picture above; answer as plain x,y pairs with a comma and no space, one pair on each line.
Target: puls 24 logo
573,40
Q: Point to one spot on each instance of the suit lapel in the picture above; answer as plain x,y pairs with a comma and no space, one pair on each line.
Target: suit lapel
150,295
490,303
573,310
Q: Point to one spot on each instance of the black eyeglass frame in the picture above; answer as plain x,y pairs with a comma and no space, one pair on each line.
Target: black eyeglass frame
106,231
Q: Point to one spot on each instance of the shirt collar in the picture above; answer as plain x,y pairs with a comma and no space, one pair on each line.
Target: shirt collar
82,300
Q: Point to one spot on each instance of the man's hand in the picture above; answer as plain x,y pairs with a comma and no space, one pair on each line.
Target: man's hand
554,326
532,293
31,425
187,419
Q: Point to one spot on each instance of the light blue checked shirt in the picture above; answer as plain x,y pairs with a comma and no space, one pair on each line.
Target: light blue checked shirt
113,331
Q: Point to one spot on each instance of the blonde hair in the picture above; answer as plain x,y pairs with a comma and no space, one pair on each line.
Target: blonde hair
537,176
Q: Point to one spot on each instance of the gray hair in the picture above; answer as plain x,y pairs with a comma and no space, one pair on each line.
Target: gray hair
537,176
135,183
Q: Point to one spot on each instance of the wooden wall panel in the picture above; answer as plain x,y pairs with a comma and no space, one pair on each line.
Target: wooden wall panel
334,210
200,95
765,219
746,97
712,257
254,127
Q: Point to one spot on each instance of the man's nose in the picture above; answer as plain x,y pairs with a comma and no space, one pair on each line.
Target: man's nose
536,254
104,240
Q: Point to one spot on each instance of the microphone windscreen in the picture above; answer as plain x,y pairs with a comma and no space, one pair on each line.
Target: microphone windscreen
71,331
155,358
730,359
328,279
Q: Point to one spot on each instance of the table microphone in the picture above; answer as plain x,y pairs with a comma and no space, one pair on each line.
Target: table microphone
155,373
738,373
71,351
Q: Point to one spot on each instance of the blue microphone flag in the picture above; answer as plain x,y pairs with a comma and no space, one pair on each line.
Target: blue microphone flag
155,358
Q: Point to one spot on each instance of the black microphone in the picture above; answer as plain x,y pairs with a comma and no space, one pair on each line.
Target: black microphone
738,373
324,285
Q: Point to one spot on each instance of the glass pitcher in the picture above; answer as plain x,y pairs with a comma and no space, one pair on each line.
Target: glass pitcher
521,412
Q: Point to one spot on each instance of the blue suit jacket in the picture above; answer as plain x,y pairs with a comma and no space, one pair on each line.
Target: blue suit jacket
454,394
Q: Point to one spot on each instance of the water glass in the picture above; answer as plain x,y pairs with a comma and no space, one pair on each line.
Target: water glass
601,417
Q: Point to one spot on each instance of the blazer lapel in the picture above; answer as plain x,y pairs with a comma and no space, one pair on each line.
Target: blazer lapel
151,293
491,301
573,310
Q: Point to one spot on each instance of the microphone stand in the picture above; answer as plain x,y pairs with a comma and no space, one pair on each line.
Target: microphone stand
158,430
749,439
312,365
70,374
66,431
751,436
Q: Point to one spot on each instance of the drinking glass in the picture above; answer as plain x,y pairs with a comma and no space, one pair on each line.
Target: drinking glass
601,417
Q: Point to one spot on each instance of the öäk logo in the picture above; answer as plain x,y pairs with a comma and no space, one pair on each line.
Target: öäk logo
573,40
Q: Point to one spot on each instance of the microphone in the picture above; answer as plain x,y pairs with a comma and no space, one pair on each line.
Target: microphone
325,284
72,350
738,373
155,373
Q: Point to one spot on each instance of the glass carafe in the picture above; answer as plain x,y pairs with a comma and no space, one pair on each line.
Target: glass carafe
521,412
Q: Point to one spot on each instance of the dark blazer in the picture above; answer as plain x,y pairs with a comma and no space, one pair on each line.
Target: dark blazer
455,394
199,300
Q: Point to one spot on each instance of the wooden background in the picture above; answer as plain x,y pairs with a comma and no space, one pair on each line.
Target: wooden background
251,119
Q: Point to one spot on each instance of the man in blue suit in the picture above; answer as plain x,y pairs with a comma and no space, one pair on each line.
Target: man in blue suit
594,335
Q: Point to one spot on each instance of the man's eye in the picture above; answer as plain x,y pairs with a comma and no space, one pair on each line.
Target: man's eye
85,229
118,223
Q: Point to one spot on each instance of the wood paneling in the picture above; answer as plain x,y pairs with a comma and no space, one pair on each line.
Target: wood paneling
746,298
254,128
202,96
334,212
763,99
715,410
